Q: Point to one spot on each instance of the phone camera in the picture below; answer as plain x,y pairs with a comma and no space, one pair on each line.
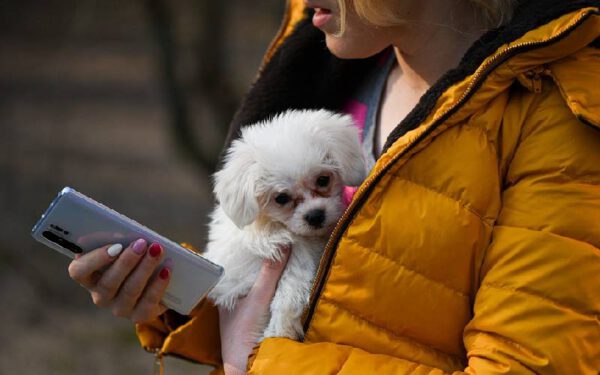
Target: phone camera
56,227
62,242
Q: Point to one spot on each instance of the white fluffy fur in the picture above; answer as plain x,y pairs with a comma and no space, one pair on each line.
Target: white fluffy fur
282,155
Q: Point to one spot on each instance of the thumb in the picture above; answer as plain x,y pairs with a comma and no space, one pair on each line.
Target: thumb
270,273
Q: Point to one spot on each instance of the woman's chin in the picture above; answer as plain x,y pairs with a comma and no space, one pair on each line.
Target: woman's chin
343,49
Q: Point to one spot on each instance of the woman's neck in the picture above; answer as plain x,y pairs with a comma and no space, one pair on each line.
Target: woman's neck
425,49
435,40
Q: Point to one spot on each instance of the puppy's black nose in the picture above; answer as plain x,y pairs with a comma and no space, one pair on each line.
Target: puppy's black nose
315,218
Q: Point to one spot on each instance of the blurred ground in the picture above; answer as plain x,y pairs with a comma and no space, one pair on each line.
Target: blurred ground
81,104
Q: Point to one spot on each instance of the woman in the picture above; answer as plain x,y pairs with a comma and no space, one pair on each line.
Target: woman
473,245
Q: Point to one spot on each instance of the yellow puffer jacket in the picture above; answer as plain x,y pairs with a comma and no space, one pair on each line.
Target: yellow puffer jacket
473,246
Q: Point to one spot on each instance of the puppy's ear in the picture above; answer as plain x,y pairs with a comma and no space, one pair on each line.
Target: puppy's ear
235,185
345,149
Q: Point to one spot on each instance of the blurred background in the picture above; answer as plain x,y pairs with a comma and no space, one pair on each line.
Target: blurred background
127,102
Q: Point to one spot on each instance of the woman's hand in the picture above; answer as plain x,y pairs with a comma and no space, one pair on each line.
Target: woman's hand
243,326
120,280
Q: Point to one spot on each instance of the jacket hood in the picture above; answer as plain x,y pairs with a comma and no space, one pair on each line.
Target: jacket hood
301,73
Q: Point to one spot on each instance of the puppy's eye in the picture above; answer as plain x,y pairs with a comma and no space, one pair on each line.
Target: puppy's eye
282,199
322,181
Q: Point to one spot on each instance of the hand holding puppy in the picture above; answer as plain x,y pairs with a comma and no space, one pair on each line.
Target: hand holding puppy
242,327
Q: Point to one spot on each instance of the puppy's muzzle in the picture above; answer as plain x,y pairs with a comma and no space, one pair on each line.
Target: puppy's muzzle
315,218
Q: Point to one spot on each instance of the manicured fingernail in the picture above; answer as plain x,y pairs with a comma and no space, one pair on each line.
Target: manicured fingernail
284,251
164,273
139,246
154,250
115,250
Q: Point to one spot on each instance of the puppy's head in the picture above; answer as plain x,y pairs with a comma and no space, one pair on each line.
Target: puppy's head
291,169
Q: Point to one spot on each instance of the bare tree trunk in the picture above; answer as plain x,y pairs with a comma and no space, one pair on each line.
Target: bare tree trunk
212,77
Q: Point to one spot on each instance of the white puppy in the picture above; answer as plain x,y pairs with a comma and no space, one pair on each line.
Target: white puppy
281,183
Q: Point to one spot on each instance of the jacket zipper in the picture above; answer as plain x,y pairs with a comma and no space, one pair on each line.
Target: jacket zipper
367,185
535,76
158,362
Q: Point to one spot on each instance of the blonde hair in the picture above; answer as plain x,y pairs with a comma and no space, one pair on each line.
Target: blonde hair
384,12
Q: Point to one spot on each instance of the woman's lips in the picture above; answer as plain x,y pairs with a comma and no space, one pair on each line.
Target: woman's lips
321,17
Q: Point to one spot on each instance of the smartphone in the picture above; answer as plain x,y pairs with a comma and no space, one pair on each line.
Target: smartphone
75,224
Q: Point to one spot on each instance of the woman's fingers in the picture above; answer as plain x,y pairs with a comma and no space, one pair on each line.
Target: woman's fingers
241,327
109,283
84,267
132,288
266,283
148,306
121,279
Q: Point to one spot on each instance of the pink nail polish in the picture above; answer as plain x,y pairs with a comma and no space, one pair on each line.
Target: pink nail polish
139,246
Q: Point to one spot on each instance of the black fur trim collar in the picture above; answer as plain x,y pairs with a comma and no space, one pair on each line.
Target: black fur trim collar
303,74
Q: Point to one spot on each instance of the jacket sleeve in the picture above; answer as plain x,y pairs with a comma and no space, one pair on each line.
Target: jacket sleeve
537,307
194,338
